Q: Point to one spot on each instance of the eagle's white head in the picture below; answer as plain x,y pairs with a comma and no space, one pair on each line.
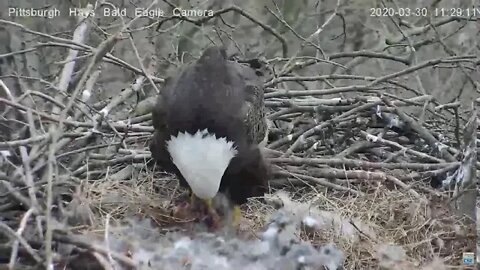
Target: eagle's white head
202,159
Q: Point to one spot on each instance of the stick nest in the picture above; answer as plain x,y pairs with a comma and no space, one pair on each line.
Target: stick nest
357,163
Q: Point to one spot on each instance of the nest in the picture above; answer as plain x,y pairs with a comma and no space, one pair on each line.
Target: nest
360,169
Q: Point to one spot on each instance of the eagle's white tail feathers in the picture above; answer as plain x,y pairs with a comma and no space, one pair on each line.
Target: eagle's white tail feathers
202,159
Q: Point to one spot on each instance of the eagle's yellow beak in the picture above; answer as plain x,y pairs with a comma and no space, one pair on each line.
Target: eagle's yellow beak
237,215
209,203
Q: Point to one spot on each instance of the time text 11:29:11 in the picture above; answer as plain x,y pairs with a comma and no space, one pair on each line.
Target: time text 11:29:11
423,12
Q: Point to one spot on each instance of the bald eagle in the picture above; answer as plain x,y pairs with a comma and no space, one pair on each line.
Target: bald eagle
209,121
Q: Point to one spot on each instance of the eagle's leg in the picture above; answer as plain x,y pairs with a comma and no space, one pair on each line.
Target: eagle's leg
237,215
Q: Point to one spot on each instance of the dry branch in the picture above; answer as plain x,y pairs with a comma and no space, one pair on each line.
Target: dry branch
337,129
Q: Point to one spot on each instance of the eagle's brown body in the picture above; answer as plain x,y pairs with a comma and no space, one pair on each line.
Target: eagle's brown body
226,98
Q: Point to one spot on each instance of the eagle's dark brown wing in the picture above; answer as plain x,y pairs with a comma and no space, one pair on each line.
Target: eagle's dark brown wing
157,143
253,109
158,147
224,97
217,94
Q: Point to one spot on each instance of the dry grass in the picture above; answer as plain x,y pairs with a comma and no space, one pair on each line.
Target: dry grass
334,144
424,228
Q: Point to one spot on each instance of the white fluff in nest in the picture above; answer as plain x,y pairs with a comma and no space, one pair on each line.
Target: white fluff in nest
331,257
391,253
393,257
436,264
318,220
310,222
280,248
183,243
